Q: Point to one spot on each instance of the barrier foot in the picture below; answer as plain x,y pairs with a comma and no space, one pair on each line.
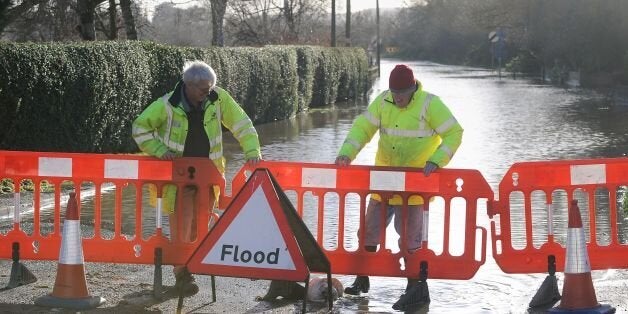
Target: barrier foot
74,304
20,275
548,293
158,288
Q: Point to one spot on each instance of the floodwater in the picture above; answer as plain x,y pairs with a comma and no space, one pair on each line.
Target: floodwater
505,120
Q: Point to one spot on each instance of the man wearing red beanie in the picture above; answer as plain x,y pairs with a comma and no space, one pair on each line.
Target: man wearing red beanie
416,130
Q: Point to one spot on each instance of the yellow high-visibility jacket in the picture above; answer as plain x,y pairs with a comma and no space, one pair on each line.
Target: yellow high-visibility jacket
163,127
423,131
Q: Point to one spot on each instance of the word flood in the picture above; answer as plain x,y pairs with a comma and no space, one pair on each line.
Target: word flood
247,256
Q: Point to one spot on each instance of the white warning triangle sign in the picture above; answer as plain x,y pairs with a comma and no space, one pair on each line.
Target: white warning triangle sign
252,239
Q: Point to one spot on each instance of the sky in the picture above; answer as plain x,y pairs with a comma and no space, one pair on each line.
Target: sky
356,5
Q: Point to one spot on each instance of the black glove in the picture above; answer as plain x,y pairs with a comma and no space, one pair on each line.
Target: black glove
429,168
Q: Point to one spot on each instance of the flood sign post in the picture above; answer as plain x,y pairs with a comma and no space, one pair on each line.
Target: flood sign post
260,235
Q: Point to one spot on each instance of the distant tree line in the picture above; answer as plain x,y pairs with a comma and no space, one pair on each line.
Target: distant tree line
203,23
540,35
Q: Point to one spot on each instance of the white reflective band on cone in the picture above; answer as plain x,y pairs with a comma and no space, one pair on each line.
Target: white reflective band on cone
577,259
71,248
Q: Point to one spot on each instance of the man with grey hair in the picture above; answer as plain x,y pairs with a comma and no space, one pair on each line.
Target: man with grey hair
187,122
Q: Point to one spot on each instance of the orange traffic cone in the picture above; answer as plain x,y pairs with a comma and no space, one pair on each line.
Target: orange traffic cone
578,292
70,290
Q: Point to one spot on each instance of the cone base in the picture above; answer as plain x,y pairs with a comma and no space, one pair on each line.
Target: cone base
600,309
75,304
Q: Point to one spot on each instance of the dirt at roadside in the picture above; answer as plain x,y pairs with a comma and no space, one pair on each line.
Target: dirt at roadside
128,289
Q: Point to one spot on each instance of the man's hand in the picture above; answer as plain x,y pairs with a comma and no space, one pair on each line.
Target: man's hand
429,168
343,160
168,156
252,162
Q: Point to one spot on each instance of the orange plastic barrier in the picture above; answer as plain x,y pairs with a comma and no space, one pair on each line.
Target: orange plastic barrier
529,221
135,245
329,223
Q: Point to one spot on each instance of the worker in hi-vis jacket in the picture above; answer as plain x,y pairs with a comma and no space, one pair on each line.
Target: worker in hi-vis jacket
416,129
187,122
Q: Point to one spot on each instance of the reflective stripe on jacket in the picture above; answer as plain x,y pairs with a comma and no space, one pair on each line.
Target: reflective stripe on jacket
423,131
163,127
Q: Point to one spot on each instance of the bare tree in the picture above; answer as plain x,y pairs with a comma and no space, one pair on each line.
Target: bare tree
47,21
218,9
9,13
264,22
181,26
129,20
86,12
113,28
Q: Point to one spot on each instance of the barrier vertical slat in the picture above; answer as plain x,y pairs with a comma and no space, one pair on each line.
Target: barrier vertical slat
469,225
300,201
550,223
36,208
320,214
138,212
446,226
592,221
404,217
118,211
97,209
361,235
383,205
528,219
57,219
613,215
341,220
16,208
426,223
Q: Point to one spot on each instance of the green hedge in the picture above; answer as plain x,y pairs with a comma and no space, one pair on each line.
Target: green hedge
83,97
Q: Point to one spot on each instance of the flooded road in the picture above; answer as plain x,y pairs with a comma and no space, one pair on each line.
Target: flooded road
505,121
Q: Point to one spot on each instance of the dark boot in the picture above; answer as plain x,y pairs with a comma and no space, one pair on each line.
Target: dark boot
417,295
361,284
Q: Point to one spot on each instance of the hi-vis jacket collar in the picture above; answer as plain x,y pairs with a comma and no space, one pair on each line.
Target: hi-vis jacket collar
175,98
389,98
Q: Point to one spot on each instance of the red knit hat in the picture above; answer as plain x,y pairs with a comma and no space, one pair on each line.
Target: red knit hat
401,78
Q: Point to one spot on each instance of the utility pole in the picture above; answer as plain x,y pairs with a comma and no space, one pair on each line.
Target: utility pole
348,24
333,23
378,48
